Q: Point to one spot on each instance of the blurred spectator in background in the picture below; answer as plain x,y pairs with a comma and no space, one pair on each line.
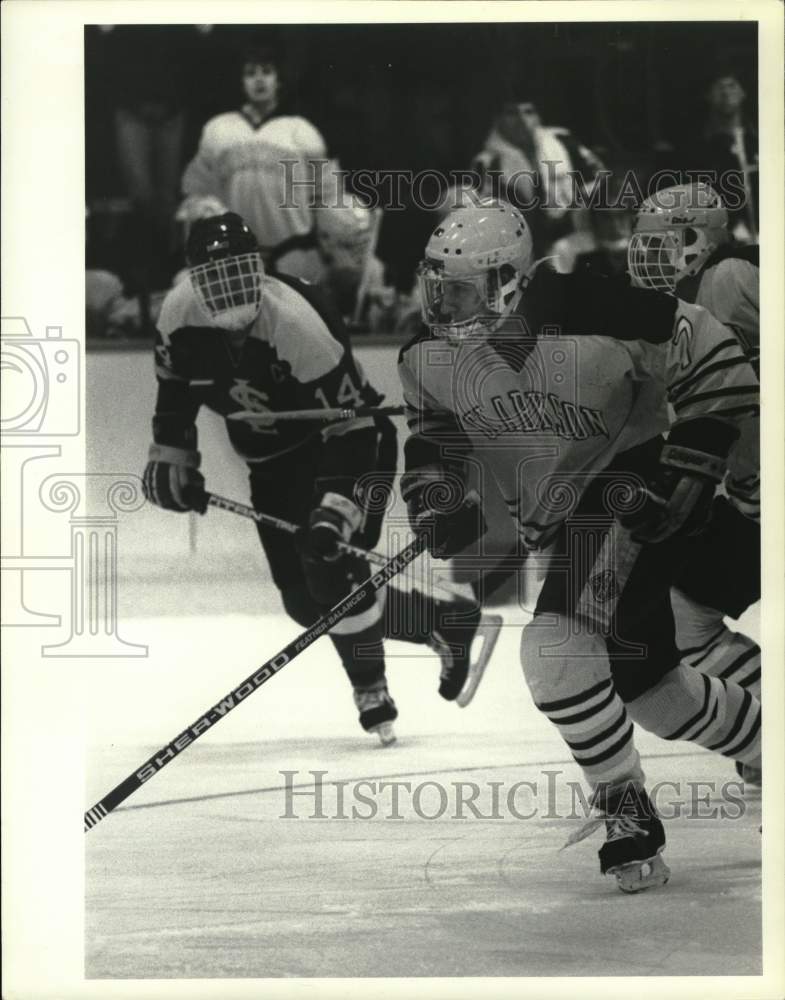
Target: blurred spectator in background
148,71
601,247
530,165
240,161
728,142
272,168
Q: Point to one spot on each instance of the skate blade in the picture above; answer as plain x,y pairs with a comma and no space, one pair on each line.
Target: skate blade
385,732
640,875
488,630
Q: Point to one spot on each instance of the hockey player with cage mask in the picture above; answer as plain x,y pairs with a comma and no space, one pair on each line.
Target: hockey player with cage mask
232,338
681,245
534,378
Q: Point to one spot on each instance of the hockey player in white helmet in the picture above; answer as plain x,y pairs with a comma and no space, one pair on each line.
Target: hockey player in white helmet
539,379
681,244
676,231
474,270
232,338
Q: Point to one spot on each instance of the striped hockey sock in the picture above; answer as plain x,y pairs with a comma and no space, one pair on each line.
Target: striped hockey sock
707,644
569,676
716,714
594,724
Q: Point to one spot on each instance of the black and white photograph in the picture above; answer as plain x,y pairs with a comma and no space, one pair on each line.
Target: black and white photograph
392,499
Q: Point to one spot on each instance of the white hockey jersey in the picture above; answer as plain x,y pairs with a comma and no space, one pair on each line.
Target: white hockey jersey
729,287
267,174
295,356
544,428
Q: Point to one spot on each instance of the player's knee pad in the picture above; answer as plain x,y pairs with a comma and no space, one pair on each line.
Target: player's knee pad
368,618
328,582
559,659
696,624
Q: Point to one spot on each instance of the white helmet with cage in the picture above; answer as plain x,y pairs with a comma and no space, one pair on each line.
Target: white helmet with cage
476,264
675,231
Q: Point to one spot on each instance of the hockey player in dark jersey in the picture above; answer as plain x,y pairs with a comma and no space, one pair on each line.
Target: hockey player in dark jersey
232,338
517,374
681,245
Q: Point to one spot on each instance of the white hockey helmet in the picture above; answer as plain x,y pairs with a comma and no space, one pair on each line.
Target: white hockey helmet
475,266
345,236
675,231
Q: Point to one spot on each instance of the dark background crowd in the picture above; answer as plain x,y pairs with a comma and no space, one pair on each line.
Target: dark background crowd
642,97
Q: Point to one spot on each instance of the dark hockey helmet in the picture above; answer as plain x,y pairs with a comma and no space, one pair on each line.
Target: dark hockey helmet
218,237
226,270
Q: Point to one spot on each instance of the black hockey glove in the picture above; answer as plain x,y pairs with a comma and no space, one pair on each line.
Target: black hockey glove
335,520
679,496
451,517
172,481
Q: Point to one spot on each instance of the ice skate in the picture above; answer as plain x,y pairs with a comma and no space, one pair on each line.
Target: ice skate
460,675
750,774
634,839
377,713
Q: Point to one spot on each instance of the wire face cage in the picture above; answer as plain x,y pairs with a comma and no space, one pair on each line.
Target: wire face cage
230,290
652,259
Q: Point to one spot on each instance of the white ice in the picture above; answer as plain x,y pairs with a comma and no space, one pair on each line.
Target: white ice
197,875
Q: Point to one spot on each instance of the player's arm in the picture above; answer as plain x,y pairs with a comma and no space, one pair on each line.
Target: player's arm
611,307
171,478
201,176
434,481
348,454
712,389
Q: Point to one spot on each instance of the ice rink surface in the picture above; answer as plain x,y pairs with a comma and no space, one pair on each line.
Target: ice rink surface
200,873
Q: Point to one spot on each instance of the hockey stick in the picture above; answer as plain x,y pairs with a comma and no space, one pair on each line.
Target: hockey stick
376,558
608,577
269,417
224,503
262,674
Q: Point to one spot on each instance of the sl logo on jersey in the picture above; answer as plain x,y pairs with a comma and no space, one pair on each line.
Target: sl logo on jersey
279,370
603,586
164,356
254,400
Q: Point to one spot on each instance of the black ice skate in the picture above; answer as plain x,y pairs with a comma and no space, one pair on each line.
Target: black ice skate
634,839
377,712
749,774
460,675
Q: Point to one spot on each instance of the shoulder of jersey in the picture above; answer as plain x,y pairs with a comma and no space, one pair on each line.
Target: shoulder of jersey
297,331
734,270
422,334
180,308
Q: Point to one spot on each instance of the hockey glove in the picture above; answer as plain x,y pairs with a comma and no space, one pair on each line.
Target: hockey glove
335,520
679,496
171,479
433,506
